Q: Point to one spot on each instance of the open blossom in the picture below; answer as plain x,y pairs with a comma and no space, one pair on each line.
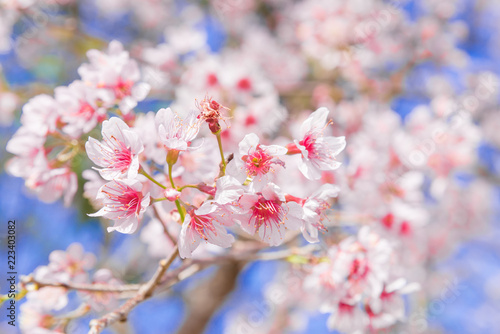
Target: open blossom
71,265
37,312
256,161
389,307
41,114
82,107
51,183
101,300
124,203
318,151
268,213
118,152
204,223
115,73
313,207
176,133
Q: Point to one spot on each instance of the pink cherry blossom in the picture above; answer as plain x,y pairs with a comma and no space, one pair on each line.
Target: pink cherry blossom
118,152
124,203
313,207
256,161
176,132
101,301
317,150
268,213
205,223
71,265
52,183
41,114
80,107
116,73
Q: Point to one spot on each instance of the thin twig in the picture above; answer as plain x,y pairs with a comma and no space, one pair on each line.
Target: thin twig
145,292
82,286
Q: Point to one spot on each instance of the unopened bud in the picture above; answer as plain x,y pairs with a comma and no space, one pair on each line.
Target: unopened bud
172,194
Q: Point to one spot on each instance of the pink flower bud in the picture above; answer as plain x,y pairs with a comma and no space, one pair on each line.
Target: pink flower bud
171,194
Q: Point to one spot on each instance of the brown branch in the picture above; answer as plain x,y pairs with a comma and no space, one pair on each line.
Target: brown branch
162,281
145,292
82,286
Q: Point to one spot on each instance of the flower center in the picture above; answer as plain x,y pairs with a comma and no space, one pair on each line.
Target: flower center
359,269
86,110
260,162
202,224
127,200
123,89
119,156
268,213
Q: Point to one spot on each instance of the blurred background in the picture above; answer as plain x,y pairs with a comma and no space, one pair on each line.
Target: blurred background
410,57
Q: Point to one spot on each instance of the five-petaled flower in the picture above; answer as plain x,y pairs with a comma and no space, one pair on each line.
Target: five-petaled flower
268,213
124,203
118,152
317,150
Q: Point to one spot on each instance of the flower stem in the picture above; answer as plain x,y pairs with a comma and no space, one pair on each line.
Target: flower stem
177,203
143,172
195,186
154,200
219,142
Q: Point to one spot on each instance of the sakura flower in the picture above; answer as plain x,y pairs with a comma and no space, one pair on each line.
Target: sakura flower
124,203
27,146
36,313
228,190
206,224
255,161
268,213
118,152
50,184
116,73
176,133
313,208
318,151
348,317
41,114
101,300
80,107
388,308
70,265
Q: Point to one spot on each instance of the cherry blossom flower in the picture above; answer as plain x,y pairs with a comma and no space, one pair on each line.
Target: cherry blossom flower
124,203
313,207
118,153
204,223
100,300
176,133
318,151
80,107
50,184
41,114
268,213
71,265
115,72
256,161
388,308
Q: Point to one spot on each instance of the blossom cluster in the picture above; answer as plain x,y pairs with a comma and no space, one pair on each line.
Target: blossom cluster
291,134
